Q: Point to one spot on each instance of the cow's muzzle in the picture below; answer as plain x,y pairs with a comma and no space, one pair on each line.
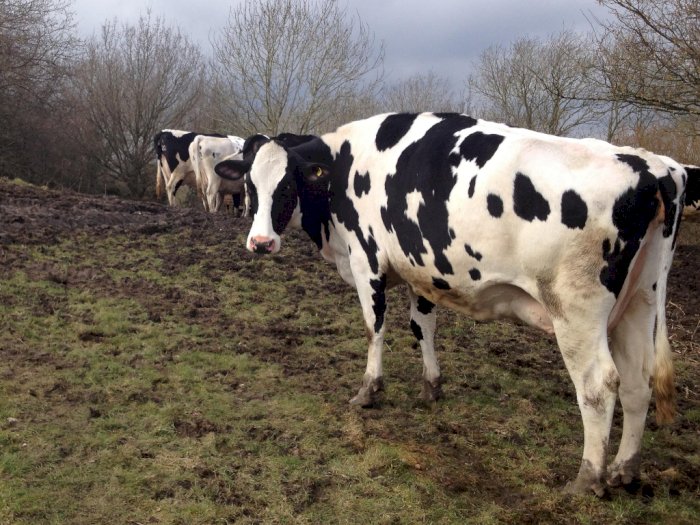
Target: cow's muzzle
262,245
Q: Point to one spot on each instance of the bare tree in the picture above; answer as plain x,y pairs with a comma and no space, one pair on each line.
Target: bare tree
421,92
537,85
649,54
37,47
291,65
134,80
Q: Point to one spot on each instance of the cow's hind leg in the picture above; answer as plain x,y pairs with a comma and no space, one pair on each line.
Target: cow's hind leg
633,351
372,293
588,360
423,327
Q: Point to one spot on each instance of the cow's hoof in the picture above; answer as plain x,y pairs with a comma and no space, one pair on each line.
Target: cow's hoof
586,482
368,395
584,486
431,391
625,474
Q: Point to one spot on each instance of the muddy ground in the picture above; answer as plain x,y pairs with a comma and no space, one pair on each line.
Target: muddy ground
32,216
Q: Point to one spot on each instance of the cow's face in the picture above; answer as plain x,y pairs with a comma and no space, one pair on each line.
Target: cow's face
279,180
272,190
272,185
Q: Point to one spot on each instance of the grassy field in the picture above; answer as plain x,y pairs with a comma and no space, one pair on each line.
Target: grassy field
158,374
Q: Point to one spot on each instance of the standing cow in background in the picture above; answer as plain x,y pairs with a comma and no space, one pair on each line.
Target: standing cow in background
173,157
571,236
692,197
205,153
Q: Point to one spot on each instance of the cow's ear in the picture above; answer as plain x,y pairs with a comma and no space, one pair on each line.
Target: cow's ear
314,171
232,169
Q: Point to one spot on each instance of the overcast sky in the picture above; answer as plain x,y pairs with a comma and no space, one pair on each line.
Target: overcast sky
442,36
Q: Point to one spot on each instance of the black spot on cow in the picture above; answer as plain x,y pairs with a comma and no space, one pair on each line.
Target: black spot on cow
453,235
632,213
448,115
472,253
425,167
252,195
480,147
393,129
313,197
361,184
343,207
378,301
472,184
528,203
574,211
252,144
292,140
424,306
668,191
494,205
175,149
475,274
416,329
613,275
440,284
172,147
636,162
653,286
284,201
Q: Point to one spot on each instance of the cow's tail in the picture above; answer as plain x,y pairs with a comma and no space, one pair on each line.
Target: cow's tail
664,388
159,181
195,159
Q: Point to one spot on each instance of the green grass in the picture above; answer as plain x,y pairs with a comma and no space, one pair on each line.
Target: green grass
151,380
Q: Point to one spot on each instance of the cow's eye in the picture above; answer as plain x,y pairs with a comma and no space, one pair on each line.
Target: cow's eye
318,171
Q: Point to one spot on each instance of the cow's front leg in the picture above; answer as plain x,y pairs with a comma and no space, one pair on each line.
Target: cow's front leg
372,293
423,327
236,198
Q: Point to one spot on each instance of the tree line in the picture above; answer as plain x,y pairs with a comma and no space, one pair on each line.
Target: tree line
81,113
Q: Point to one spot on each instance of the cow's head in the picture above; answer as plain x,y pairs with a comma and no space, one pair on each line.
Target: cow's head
279,179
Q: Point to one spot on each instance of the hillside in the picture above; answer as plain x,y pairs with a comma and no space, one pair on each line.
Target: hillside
153,371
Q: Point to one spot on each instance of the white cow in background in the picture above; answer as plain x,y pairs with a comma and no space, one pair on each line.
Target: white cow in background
174,163
205,153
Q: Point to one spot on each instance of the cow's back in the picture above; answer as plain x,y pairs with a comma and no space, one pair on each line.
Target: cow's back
457,206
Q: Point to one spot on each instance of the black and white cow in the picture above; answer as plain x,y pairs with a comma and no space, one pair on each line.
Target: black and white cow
173,158
205,153
692,194
575,237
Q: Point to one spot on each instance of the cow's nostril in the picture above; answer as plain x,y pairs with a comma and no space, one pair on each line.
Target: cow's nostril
263,246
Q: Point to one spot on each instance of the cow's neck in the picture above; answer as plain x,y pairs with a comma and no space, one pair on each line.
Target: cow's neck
315,217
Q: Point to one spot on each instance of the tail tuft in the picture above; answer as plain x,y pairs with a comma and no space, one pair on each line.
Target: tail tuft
664,388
